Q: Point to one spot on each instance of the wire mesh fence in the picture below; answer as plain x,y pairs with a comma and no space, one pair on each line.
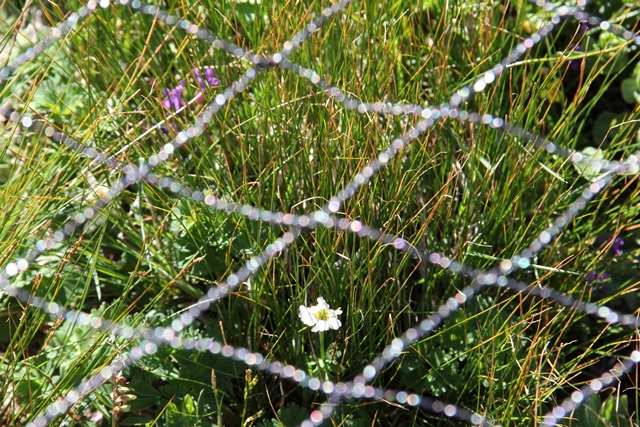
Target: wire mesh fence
359,387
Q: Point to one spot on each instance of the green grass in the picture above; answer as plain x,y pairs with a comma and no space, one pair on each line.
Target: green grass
474,193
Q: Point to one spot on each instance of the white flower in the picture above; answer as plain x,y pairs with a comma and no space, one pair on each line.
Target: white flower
320,316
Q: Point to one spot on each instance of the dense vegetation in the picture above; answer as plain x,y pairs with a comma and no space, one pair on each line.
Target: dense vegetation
471,192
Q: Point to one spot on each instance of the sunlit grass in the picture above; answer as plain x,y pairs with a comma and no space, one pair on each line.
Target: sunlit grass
476,194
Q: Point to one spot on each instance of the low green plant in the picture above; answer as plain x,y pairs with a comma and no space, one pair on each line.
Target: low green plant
475,193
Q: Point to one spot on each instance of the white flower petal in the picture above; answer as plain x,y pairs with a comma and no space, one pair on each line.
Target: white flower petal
322,304
322,326
333,323
306,315
328,318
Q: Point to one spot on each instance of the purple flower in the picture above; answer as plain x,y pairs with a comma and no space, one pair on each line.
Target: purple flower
594,276
199,79
174,97
577,63
596,279
616,246
585,26
209,74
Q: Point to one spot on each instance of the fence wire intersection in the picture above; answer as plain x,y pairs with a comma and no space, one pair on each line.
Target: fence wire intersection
358,387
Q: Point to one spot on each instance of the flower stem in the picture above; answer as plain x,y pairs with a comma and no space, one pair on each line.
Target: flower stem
322,364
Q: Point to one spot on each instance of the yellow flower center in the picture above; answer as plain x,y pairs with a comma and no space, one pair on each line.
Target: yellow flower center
322,314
